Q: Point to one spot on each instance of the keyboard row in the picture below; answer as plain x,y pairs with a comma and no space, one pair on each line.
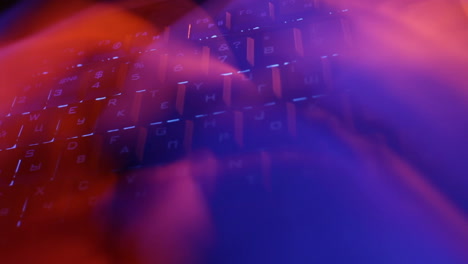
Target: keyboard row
154,67
317,21
234,91
222,132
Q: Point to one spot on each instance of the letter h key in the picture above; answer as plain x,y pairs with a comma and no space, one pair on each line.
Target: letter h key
205,96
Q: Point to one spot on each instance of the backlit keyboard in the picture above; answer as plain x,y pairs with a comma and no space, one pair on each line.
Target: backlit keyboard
150,99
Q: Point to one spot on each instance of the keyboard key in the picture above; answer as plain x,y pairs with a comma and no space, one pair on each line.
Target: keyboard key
326,37
102,79
79,155
280,46
8,163
237,52
123,149
288,9
6,100
176,33
87,194
145,72
204,27
185,62
133,189
46,204
161,104
31,97
146,41
205,96
249,17
246,173
119,111
167,141
302,79
268,126
108,49
79,119
332,67
66,89
255,87
38,163
40,126
12,200
219,132
10,128
73,55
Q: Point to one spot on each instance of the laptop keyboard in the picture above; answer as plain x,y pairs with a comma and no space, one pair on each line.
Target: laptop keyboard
145,101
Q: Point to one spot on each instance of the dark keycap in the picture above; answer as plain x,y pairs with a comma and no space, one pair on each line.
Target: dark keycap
72,56
67,89
237,52
38,127
123,149
87,193
102,79
119,111
167,141
10,128
108,49
309,116
12,199
267,127
333,73
185,62
145,72
79,119
8,164
326,37
145,41
205,96
204,27
79,155
280,46
160,104
255,87
297,9
171,33
133,188
244,18
302,79
38,163
31,97
46,204
243,175
219,132
6,100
